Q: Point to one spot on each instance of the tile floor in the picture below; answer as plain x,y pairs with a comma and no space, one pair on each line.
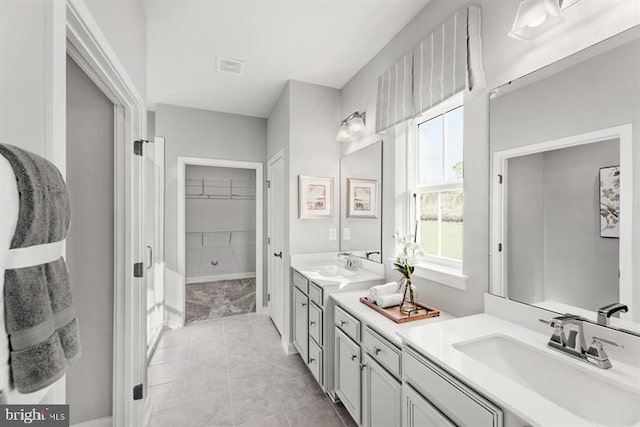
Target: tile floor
221,298
232,372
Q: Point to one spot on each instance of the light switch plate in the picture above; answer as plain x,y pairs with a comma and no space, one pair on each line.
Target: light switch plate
333,234
346,233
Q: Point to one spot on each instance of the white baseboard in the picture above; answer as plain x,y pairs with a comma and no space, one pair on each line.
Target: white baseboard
232,276
100,422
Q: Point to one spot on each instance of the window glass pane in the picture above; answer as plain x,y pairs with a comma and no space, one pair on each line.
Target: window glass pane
430,151
453,168
429,230
452,223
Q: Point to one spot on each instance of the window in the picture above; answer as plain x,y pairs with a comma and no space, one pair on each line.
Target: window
439,175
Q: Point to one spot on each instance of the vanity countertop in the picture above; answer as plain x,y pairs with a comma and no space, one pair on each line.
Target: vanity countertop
331,272
350,301
437,342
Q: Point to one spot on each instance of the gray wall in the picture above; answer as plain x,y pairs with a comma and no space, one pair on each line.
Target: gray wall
90,248
580,267
525,228
192,132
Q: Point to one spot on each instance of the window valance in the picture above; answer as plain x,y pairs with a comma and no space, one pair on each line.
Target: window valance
444,63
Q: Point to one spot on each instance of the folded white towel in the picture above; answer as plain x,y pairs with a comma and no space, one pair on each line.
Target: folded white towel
385,301
381,290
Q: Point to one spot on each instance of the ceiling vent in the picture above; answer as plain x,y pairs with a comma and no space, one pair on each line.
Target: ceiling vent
232,66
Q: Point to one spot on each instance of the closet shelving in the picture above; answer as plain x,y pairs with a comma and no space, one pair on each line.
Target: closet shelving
216,189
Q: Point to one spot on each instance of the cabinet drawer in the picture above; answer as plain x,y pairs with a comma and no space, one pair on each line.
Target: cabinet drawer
382,351
315,361
348,324
300,282
315,323
315,294
456,400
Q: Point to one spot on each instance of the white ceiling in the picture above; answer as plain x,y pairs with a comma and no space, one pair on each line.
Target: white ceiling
323,42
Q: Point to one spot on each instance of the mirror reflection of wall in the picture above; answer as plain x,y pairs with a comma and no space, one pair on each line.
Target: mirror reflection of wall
551,132
361,202
556,255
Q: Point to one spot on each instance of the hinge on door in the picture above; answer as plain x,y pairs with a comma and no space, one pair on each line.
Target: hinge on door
138,393
499,247
500,179
268,240
268,297
137,146
268,183
138,269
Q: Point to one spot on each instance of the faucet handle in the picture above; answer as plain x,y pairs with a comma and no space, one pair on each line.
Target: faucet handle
598,340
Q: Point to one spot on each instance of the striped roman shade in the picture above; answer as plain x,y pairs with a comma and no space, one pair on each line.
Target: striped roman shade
394,101
444,63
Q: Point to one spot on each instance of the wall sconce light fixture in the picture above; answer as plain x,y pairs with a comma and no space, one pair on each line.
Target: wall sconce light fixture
535,17
352,127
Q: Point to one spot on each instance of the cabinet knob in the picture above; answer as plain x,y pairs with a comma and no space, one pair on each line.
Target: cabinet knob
363,365
311,323
353,356
311,360
303,304
376,350
342,323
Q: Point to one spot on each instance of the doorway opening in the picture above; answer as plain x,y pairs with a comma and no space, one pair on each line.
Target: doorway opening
220,228
220,223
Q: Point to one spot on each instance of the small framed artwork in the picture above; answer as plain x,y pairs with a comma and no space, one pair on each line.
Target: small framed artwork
610,202
315,197
362,198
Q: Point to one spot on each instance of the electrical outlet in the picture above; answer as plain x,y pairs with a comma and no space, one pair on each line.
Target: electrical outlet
346,233
333,234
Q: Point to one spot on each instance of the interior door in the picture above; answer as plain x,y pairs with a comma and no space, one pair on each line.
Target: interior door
276,283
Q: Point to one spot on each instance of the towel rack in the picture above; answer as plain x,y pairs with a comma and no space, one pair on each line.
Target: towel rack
227,186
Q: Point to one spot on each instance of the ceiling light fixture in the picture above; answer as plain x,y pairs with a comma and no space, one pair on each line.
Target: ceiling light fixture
535,17
352,127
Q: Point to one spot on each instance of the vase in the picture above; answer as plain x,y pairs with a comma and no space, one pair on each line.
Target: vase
408,305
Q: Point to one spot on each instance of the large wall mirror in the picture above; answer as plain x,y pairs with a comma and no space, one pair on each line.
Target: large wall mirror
564,185
361,202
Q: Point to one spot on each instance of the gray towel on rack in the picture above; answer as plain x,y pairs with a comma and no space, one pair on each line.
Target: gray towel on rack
39,314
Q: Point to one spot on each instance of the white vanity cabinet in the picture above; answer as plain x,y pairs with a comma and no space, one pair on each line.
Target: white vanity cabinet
418,412
348,380
300,323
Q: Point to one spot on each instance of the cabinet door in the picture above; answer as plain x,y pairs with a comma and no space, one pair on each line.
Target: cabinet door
301,323
348,374
419,412
381,396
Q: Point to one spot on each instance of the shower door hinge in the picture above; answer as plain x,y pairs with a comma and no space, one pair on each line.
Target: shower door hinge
138,269
500,179
137,146
138,393
268,183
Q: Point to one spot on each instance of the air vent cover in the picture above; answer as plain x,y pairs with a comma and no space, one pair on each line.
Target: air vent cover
233,66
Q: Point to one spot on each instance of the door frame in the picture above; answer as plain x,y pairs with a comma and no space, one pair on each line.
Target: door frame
279,155
183,162
74,31
499,186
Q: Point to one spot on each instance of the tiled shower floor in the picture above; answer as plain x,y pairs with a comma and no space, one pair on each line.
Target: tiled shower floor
232,372
223,298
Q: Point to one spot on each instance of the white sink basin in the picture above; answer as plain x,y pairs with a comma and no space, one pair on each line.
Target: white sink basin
587,395
331,270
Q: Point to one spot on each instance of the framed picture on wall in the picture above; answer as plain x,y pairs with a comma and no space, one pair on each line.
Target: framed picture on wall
362,198
315,197
610,202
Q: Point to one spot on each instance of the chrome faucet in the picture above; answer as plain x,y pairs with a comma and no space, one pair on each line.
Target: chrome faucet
605,313
574,344
351,262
